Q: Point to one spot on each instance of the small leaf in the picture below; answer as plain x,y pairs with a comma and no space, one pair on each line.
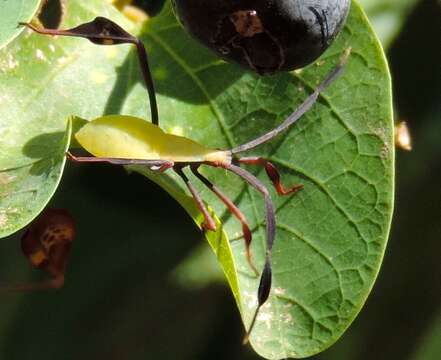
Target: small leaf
11,13
27,186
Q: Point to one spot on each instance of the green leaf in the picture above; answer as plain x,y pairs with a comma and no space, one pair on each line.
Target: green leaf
11,13
29,183
331,236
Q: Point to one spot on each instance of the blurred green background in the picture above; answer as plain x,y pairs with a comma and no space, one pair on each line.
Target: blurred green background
133,296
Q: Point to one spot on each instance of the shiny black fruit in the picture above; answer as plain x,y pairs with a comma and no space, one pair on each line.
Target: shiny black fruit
264,35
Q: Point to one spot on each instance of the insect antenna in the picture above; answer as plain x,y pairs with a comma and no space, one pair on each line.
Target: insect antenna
102,31
300,111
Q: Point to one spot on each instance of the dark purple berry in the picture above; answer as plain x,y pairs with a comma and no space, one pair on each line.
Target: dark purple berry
264,35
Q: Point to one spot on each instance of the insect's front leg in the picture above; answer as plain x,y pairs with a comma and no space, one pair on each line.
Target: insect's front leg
272,173
102,31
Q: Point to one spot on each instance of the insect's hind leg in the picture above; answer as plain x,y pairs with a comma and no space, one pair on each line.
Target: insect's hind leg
209,223
233,209
270,216
102,31
272,173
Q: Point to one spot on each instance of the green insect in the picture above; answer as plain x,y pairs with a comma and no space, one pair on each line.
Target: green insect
127,140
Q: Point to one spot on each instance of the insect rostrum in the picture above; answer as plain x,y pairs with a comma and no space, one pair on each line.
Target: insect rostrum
264,35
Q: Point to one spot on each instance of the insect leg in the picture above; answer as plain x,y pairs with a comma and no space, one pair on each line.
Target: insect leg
233,209
102,31
272,173
266,277
160,165
209,223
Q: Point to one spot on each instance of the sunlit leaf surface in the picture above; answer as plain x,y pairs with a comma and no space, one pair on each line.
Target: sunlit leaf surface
11,13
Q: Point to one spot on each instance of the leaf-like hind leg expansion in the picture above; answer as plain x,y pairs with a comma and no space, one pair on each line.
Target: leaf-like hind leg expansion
102,31
233,209
209,223
266,277
272,173
159,165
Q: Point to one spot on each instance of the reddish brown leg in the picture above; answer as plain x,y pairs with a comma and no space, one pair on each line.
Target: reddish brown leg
159,165
233,209
272,173
208,223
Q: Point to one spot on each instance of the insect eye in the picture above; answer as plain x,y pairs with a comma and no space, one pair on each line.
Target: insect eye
265,36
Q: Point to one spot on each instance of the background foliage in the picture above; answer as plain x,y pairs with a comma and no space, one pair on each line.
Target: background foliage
17,10
123,315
